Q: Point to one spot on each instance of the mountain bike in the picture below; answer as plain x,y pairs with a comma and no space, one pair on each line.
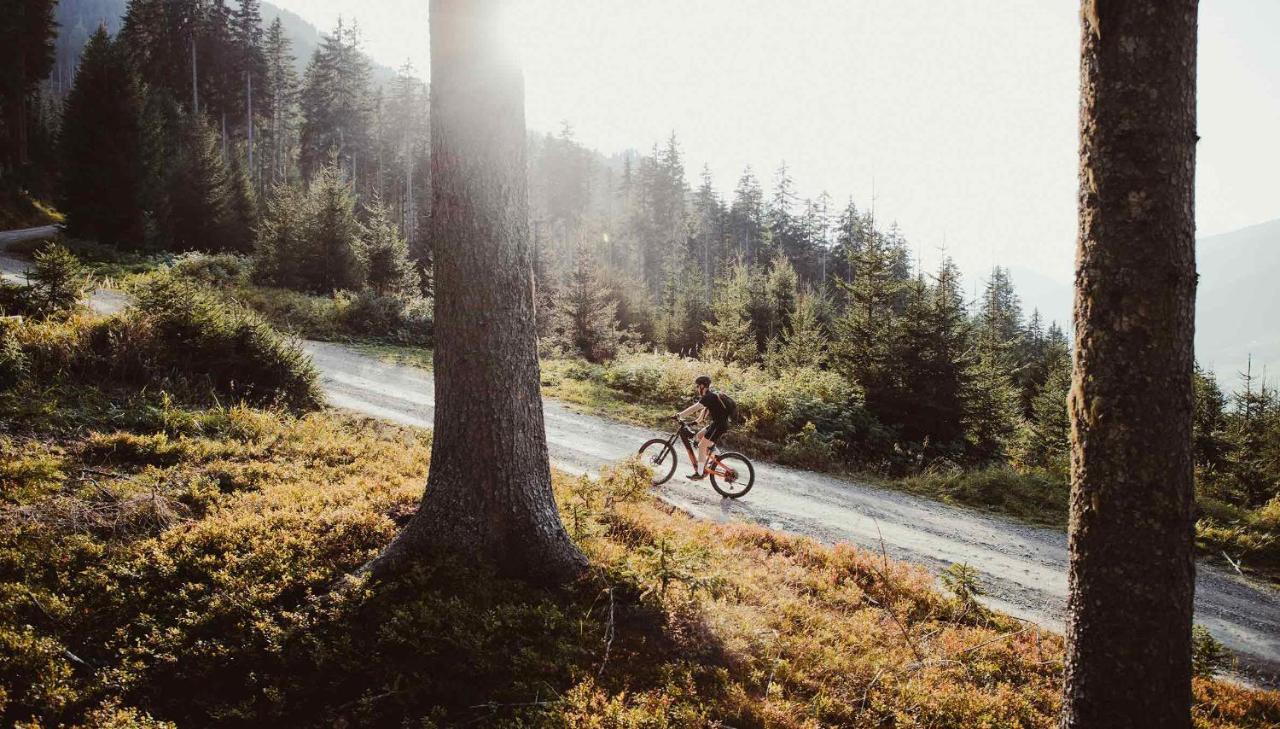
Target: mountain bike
731,474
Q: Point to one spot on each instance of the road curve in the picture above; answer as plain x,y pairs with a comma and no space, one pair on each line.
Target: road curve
1023,568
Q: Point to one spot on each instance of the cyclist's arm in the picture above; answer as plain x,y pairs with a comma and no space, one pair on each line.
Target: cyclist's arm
694,408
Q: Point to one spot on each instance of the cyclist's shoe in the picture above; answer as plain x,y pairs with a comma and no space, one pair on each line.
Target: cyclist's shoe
695,476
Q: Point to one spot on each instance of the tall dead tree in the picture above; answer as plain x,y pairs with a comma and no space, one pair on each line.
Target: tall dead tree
489,491
1132,569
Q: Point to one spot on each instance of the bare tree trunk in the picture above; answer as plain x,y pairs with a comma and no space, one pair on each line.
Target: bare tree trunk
489,491
1132,568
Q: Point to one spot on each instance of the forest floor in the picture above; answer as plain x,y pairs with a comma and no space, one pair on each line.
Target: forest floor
172,561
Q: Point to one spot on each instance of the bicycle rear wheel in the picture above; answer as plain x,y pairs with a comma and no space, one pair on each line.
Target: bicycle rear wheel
660,458
740,478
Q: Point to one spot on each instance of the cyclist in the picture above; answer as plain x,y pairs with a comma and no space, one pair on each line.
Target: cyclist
716,406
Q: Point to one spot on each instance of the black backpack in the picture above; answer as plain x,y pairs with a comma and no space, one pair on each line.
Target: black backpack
730,405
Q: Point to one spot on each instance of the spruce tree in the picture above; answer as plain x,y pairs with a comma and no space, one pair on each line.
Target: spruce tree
746,218
197,209
781,291
925,399
335,257
101,171
281,249
337,111
585,322
27,32
386,253
1044,441
1209,424
803,345
279,104
729,337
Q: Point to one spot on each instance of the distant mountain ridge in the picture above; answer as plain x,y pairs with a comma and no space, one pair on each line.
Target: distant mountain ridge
1237,301
78,19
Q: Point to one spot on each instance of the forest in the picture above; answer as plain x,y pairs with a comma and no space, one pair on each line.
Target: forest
189,157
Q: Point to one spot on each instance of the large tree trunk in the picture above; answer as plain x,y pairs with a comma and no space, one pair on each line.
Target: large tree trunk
489,491
1132,569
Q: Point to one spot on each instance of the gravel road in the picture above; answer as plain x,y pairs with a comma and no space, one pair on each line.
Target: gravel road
1023,568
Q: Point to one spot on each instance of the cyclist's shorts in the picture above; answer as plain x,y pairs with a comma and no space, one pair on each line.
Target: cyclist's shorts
716,430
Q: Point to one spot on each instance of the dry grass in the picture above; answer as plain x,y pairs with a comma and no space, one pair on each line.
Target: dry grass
216,614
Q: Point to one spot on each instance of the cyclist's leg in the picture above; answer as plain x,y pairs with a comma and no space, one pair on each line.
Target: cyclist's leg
704,449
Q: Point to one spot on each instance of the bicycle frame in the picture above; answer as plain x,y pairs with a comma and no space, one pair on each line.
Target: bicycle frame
713,465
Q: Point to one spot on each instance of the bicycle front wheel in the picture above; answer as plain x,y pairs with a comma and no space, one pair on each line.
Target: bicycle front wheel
733,476
660,458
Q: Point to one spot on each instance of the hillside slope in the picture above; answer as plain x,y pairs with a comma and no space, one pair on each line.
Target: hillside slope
1238,300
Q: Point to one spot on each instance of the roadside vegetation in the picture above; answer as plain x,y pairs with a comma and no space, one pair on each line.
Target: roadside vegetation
174,546
19,209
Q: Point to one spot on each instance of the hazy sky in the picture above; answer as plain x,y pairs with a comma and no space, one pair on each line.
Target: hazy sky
962,114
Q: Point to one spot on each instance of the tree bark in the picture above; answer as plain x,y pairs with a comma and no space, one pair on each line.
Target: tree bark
1131,533
489,494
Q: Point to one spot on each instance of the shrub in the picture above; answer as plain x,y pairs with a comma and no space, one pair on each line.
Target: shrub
193,333
219,270
1208,655
13,361
56,284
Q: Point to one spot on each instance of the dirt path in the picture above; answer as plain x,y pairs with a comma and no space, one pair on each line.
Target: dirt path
1023,567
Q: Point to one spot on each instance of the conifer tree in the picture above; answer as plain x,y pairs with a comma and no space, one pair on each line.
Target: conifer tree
101,176
781,291
337,112
729,337
242,207
197,208
335,259
803,345
926,398
386,253
279,104
281,249
746,218
585,322
1208,424
27,32
1044,442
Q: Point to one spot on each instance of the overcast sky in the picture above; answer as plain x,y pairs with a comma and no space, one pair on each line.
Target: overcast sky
961,114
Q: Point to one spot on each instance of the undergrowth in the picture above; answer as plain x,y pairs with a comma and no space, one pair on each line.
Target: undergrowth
170,562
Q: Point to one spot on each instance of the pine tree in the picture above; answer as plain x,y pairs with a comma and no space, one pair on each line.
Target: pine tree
729,337
926,397
781,290
335,259
281,248
197,212
1044,442
337,113
585,322
386,253
1209,424
279,104
803,345
746,218
101,176
27,32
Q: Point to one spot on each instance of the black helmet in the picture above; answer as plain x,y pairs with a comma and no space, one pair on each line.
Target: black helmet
703,380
